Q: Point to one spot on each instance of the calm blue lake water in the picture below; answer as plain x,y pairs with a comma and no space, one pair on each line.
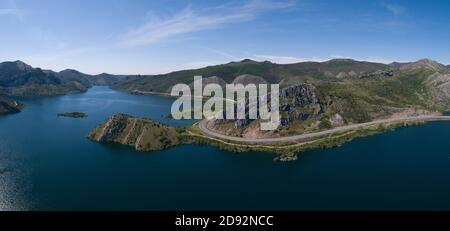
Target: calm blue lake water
46,163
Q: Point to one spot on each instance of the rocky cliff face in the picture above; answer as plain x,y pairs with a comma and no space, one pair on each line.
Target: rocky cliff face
378,74
440,87
302,94
298,103
142,134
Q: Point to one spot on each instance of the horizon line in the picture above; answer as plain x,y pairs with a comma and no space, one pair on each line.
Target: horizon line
224,63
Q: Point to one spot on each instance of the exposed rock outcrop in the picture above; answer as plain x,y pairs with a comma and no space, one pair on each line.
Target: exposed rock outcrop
297,103
302,116
285,107
286,158
379,73
302,94
241,123
336,120
10,106
440,87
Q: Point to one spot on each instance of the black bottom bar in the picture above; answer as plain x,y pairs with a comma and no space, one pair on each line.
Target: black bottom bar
224,220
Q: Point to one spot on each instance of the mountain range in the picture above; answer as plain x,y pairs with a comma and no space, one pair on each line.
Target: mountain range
314,95
320,95
285,74
20,79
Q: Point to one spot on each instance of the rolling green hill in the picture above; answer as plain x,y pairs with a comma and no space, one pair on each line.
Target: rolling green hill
271,72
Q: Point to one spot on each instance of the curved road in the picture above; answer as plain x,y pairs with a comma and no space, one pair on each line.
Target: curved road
309,136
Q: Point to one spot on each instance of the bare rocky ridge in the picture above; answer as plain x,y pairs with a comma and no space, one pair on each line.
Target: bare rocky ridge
440,83
424,64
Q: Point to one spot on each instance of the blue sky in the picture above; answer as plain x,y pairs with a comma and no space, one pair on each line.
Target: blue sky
151,37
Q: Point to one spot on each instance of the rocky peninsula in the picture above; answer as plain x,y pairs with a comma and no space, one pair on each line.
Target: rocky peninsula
10,106
142,134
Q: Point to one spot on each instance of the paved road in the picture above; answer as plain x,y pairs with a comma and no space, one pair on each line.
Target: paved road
309,136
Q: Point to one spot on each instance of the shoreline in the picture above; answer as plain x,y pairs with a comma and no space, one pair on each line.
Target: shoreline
290,151
310,136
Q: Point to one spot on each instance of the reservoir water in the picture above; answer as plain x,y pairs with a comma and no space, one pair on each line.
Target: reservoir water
46,163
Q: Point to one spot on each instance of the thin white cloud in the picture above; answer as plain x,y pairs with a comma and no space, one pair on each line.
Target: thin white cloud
394,9
286,59
191,20
61,45
64,54
12,12
376,59
373,59
340,57
198,64
293,59
221,53
57,59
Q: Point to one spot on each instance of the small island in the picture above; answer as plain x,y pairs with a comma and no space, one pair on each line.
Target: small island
72,114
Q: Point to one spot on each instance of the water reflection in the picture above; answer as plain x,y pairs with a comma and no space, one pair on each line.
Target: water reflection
13,179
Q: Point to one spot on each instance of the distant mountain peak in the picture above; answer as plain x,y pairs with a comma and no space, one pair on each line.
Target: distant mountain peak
395,64
22,65
426,60
247,61
342,60
104,73
424,64
70,71
244,61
